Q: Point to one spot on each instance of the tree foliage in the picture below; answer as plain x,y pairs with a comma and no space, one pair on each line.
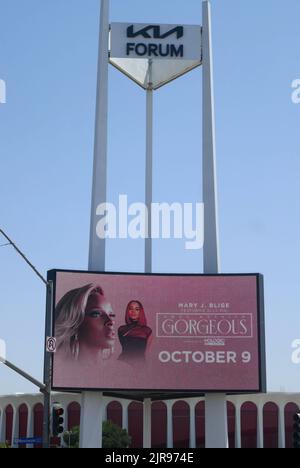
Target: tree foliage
113,436
4,445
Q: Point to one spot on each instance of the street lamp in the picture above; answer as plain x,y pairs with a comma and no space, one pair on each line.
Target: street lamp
46,387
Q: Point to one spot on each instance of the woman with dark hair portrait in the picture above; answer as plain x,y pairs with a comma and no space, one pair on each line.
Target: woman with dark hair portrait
134,336
84,327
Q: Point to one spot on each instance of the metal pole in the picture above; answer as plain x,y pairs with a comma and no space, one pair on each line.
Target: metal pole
97,245
148,240
47,367
24,374
2,92
149,170
46,387
91,412
216,430
10,242
211,228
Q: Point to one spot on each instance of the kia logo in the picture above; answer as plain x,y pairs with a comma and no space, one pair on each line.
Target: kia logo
154,32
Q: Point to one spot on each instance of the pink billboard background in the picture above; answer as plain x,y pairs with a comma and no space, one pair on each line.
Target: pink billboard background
200,333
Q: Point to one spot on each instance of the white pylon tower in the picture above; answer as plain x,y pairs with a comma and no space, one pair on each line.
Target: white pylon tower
151,76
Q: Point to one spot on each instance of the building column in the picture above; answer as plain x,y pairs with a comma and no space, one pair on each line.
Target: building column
91,420
260,426
216,421
105,410
281,427
170,424
147,423
125,424
29,431
2,425
238,427
66,417
192,405
15,428
30,420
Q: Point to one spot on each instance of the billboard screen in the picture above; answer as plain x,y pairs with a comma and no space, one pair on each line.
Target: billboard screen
120,332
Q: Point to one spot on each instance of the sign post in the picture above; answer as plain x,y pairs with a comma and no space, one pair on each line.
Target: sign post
48,365
149,169
148,240
97,245
153,55
91,414
46,387
216,428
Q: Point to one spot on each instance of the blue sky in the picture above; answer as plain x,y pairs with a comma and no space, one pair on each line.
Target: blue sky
48,58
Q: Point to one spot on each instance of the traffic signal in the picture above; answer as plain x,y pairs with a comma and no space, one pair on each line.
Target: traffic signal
57,420
296,434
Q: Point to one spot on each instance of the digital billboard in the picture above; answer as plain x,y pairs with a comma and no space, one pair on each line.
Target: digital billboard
120,332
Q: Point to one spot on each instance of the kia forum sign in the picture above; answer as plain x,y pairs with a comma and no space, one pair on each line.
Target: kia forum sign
154,41
158,333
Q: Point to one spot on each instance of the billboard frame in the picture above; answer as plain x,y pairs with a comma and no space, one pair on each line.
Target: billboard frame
164,394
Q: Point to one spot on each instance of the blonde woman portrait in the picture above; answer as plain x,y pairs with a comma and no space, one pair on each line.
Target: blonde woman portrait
84,325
